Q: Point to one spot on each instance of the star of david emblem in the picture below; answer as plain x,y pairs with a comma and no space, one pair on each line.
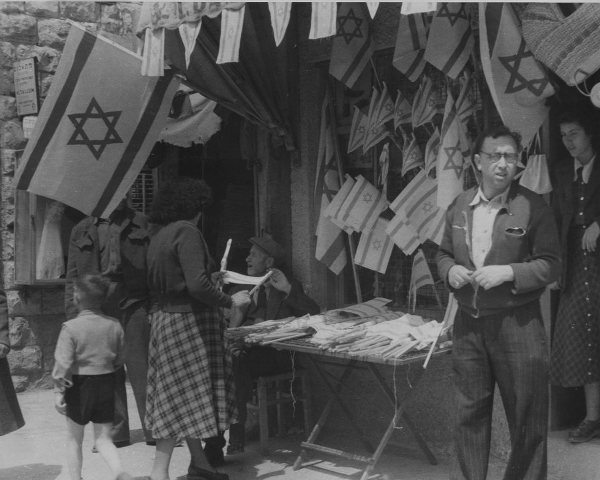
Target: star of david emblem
517,81
108,122
452,17
349,34
427,206
377,245
367,197
451,163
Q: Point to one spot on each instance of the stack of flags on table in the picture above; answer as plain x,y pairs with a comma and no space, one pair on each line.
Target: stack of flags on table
420,276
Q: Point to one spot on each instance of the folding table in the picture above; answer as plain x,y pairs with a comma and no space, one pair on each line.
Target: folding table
319,358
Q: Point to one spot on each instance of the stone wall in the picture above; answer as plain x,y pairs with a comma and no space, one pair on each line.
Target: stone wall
39,29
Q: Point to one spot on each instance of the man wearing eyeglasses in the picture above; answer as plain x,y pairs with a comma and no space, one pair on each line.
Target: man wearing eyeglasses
500,250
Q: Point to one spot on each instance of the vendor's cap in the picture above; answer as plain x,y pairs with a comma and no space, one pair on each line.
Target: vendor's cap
273,249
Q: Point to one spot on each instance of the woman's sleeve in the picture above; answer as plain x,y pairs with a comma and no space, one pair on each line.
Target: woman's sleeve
193,259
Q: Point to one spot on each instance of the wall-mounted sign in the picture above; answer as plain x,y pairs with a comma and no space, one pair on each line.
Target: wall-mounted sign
26,88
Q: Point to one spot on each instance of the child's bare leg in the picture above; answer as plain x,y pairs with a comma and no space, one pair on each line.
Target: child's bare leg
74,441
106,447
162,458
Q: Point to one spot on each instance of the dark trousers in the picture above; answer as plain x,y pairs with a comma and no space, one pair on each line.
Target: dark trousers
508,349
135,323
249,364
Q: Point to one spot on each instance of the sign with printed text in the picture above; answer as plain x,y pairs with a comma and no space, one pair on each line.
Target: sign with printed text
26,89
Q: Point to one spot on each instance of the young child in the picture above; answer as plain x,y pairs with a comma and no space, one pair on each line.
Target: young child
88,351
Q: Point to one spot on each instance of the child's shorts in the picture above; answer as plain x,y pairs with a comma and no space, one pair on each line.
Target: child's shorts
91,399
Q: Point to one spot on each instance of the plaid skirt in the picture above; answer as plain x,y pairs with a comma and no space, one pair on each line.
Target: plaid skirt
190,389
576,342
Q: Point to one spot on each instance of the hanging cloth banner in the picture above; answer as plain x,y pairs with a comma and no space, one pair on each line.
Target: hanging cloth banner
450,42
411,40
232,22
90,142
374,248
154,53
188,33
280,17
330,248
352,46
517,82
323,20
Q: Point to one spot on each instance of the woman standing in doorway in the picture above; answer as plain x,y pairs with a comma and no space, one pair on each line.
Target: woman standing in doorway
576,343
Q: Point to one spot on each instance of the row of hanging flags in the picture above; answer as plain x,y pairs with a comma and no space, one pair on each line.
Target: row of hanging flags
519,86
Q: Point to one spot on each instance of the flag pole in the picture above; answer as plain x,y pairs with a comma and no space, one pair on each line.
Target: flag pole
338,161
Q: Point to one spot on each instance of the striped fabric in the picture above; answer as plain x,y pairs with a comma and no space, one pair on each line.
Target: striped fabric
322,20
153,60
358,130
411,39
90,142
426,104
232,22
412,156
464,106
450,41
374,248
402,110
381,110
280,17
189,33
431,150
333,210
190,386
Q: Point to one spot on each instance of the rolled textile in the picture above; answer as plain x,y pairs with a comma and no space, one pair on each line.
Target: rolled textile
569,46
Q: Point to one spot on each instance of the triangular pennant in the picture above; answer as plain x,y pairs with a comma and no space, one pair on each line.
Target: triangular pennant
426,104
358,130
280,17
232,22
154,53
323,20
412,157
464,105
402,110
409,8
188,32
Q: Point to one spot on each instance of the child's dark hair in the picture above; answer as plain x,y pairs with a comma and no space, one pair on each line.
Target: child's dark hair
92,290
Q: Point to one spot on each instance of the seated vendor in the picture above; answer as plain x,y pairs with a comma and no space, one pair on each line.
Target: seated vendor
279,297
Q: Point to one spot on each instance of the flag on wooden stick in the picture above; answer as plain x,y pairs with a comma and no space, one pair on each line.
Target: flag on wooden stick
426,104
412,157
420,276
334,208
403,234
362,206
402,111
358,130
90,142
384,167
330,249
280,18
232,22
322,20
518,84
352,46
381,110
464,106
411,39
431,150
374,248
450,42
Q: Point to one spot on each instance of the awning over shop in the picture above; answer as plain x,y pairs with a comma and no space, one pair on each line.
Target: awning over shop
255,87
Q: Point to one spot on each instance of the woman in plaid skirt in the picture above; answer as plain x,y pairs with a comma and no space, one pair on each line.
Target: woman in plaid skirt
576,343
190,389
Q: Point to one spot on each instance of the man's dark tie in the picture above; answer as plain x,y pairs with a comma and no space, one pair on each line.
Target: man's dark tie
580,175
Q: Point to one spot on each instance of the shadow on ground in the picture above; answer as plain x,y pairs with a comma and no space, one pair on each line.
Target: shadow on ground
33,471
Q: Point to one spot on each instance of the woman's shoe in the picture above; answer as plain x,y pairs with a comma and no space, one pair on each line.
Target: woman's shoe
586,430
213,449
197,473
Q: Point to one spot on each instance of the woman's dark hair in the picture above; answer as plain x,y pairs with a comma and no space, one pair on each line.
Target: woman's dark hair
92,290
587,118
180,198
496,132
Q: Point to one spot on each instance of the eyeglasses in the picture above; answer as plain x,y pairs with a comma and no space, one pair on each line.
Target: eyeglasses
495,157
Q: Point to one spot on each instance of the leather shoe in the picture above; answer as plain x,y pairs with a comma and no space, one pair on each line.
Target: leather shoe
586,430
213,449
197,473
